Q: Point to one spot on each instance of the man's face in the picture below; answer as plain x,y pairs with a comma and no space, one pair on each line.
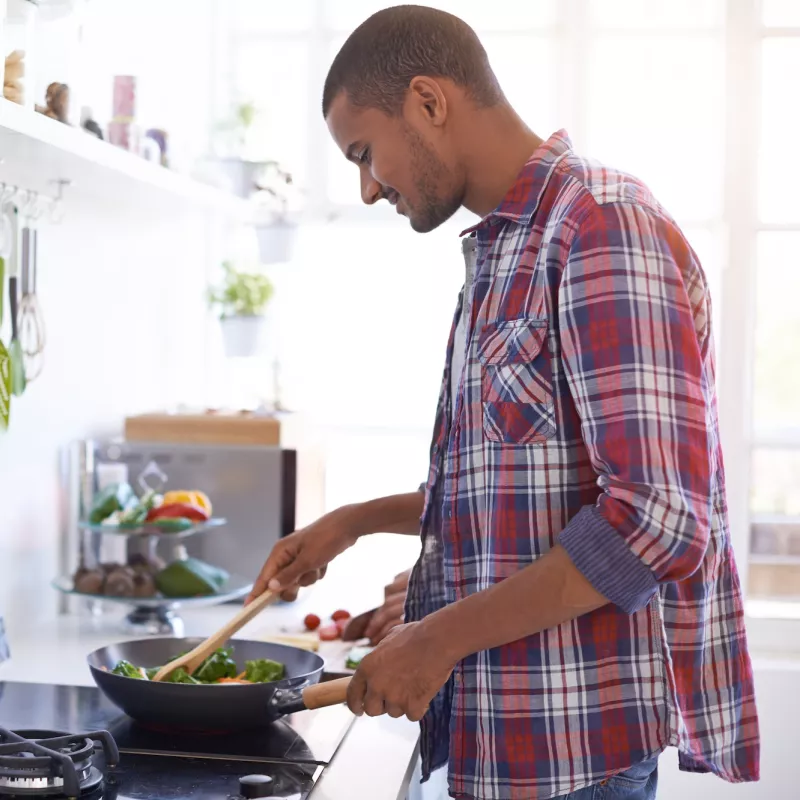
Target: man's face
398,162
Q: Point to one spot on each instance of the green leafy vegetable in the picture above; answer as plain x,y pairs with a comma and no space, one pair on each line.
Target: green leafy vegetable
180,675
128,670
263,670
218,666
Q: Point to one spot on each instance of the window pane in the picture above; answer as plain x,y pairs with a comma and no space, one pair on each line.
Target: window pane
779,172
499,15
777,342
258,16
775,529
281,126
514,60
780,12
657,13
656,109
367,345
776,485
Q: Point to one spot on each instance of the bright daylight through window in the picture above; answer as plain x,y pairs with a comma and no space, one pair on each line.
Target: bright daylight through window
710,80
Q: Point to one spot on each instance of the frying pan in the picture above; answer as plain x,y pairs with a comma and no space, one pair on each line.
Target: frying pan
212,708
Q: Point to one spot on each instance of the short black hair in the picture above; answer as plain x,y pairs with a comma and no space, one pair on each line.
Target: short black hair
388,50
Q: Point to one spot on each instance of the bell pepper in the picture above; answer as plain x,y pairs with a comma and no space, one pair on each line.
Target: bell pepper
194,498
172,510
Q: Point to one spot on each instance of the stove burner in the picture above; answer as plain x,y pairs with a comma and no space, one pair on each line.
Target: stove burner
52,763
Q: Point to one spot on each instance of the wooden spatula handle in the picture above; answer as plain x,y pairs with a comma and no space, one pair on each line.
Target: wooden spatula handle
227,631
192,660
330,693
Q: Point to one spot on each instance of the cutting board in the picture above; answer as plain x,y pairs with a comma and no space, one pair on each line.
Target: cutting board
233,428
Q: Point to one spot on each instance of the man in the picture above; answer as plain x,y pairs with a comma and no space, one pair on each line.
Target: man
576,607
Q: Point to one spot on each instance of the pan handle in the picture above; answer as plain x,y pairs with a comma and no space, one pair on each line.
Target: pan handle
320,695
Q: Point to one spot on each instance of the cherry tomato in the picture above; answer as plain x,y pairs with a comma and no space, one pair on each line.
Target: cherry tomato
340,614
328,633
312,622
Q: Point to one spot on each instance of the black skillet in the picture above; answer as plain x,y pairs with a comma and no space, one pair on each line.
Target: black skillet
213,708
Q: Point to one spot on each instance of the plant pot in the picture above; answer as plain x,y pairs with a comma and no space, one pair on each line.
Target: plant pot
239,175
276,241
242,337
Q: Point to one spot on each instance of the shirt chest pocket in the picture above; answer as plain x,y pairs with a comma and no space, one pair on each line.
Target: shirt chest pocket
516,382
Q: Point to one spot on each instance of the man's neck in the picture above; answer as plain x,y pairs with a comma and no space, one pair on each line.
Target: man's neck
496,148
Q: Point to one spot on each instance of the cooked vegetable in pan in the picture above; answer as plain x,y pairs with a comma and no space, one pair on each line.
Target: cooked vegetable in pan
219,668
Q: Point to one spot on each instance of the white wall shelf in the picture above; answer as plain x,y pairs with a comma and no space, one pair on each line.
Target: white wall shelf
36,151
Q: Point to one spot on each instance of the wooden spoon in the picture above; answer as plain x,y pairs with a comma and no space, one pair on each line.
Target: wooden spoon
193,659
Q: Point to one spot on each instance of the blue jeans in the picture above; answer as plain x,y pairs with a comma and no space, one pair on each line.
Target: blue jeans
637,783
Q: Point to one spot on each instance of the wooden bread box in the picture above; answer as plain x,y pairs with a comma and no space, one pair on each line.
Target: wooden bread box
241,428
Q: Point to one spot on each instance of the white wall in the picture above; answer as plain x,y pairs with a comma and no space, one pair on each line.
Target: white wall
122,294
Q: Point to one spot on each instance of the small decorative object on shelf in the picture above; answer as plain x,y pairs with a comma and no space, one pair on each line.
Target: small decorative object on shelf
89,124
13,88
242,300
57,103
122,130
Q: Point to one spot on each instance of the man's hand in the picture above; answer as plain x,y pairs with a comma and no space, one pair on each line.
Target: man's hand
390,614
376,624
401,675
302,558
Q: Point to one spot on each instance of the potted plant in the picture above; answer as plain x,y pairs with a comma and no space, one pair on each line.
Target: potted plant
276,204
241,300
232,148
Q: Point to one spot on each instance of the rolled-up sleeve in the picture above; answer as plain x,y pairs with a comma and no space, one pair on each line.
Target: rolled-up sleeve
633,313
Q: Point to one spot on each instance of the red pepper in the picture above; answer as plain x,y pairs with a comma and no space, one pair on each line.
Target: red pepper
173,510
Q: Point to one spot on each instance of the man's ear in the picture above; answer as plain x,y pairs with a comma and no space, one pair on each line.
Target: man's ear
426,101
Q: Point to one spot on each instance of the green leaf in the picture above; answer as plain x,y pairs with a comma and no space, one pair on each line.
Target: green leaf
263,670
219,664
128,670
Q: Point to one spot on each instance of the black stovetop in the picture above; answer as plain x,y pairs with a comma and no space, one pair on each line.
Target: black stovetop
156,764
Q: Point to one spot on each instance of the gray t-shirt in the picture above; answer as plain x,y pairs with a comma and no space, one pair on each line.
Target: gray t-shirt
469,247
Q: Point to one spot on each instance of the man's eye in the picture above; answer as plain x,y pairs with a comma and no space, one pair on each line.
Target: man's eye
364,156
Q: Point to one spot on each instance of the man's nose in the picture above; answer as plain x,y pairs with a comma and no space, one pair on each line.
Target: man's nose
371,190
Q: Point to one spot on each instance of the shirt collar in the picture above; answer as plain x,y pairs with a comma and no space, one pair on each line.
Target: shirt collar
522,199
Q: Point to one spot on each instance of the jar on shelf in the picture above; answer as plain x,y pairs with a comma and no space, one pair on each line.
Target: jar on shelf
18,43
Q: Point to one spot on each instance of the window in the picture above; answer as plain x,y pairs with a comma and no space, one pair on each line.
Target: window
681,93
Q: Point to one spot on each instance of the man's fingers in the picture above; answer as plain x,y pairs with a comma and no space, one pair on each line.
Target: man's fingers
394,711
390,611
386,630
290,595
355,693
374,702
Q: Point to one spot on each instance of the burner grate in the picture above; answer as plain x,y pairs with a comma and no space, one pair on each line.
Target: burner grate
52,763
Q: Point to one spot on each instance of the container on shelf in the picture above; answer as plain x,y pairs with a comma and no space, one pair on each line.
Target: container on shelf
19,56
151,613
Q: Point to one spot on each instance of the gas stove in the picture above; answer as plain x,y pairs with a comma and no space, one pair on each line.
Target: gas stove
71,742
47,763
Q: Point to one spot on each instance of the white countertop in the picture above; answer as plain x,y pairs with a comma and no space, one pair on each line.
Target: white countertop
374,762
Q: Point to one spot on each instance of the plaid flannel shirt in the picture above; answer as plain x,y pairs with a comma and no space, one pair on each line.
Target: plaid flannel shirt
586,415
